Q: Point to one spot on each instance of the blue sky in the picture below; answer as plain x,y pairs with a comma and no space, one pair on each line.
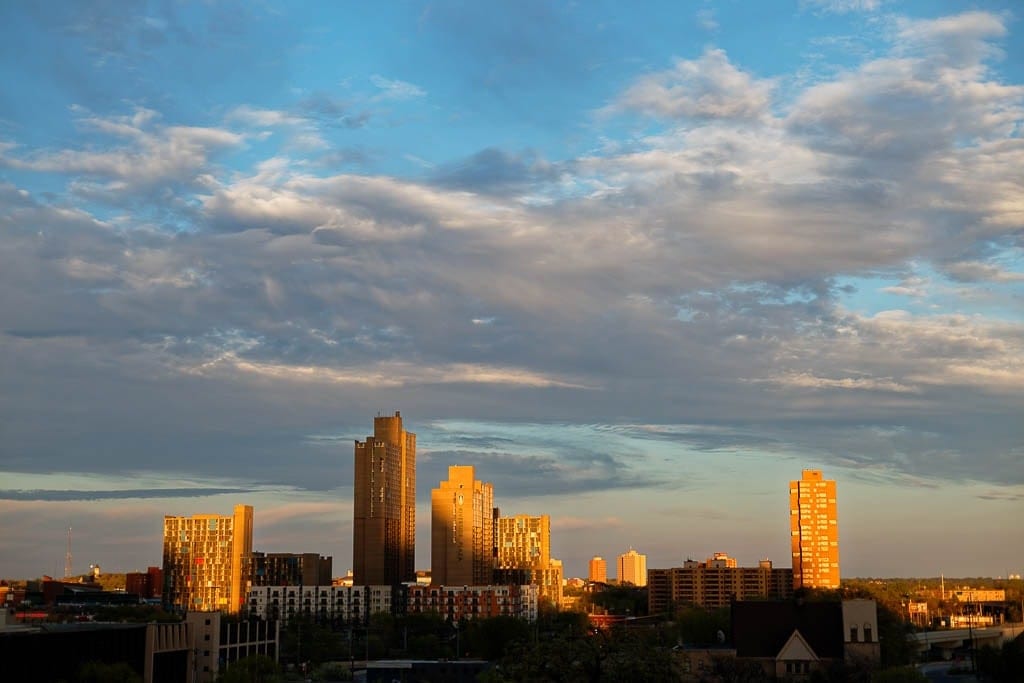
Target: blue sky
638,266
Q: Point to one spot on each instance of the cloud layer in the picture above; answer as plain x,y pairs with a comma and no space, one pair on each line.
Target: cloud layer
828,267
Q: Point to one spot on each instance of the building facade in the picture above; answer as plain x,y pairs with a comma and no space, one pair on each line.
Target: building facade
456,603
598,570
324,603
289,569
632,568
147,585
524,555
462,530
814,531
204,561
384,502
714,583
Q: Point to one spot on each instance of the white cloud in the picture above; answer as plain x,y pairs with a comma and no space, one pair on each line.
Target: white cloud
708,87
393,89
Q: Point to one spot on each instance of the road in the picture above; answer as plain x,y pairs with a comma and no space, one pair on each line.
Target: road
939,672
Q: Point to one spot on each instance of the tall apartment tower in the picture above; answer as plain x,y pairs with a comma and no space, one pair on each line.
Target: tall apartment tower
633,568
814,531
384,516
205,561
462,530
598,570
524,555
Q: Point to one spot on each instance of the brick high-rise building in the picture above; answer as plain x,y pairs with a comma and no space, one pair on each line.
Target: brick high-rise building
814,531
598,570
384,523
632,568
205,561
462,530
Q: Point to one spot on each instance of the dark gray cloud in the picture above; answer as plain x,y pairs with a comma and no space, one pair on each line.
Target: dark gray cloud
71,495
496,171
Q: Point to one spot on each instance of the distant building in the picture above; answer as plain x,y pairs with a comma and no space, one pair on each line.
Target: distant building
289,569
384,505
632,568
524,555
462,530
204,561
598,570
980,595
715,583
147,585
814,531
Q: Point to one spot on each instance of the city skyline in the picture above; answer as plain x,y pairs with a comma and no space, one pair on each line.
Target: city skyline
637,268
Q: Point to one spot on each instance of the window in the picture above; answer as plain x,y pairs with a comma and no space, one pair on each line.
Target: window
853,634
867,633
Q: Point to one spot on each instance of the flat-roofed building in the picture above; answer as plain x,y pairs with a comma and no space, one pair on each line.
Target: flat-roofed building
814,531
462,530
205,561
713,584
384,505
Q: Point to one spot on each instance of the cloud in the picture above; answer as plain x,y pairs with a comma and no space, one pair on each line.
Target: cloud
90,495
710,87
493,170
152,157
843,6
393,89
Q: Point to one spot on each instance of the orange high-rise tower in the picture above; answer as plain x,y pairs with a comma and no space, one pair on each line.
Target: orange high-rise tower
814,531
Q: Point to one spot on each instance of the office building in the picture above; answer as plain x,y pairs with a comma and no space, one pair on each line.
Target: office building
524,556
632,568
714,583
814,531
289,569
204,561
462,530
384,502
598,570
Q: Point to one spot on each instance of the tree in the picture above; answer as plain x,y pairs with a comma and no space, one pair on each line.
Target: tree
101,672
255,669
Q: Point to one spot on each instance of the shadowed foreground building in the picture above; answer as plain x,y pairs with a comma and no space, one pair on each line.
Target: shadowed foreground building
384,505
714,583
462,530
814,531
205,561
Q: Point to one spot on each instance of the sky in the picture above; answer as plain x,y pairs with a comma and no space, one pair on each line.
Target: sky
639,264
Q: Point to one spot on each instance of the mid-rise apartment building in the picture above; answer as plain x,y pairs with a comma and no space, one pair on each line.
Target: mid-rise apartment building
324,603
524,555
715,583
598,570
289,569
456,603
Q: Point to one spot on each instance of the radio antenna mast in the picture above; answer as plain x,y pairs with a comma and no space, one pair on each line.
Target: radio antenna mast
67,557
